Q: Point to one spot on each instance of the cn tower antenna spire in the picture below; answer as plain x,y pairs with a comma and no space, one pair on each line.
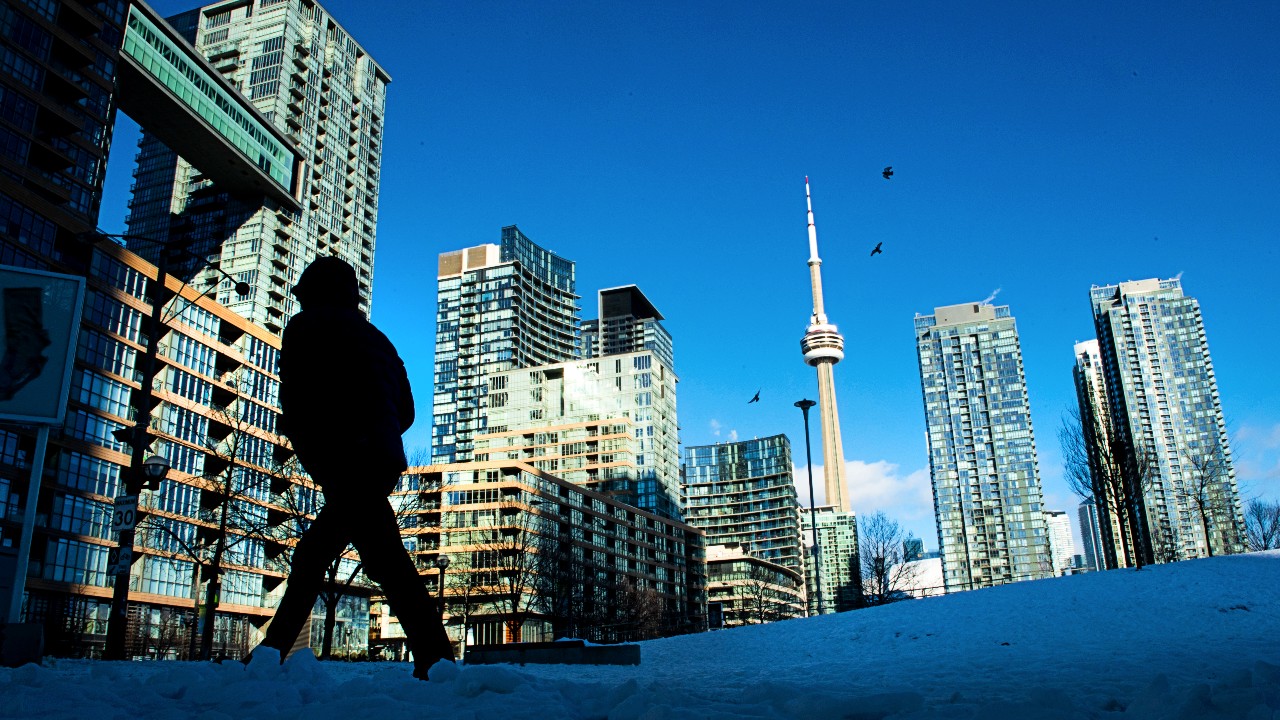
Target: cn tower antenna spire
823,347
815,262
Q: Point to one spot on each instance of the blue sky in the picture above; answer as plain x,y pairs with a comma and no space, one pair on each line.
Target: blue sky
1037,150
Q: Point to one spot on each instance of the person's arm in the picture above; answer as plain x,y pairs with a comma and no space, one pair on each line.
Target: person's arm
300,376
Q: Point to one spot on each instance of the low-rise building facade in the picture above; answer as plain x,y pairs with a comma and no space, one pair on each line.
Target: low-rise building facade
751,590
533,557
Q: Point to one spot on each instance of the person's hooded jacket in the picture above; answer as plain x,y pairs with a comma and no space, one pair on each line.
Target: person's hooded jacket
344,394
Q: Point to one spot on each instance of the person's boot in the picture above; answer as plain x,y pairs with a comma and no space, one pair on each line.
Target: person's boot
422,667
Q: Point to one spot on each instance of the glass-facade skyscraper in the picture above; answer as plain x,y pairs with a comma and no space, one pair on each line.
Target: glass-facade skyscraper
982,453
1111,509
838,568
1162,397
305,74
1062,545
499,307
626,321
744,492
68,65
1091,535
606,423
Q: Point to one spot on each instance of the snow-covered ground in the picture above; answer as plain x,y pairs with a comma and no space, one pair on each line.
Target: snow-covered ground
1192,640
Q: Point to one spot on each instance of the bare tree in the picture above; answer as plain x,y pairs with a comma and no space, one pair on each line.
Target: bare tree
561,579
175,540
886,574
234,486
1206,487
764,599
512,555
1104,465
465,591
238,476
1262,524
1165,544
165,629
640,611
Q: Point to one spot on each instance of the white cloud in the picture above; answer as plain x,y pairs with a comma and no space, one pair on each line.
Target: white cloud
717,430
880,486
1256,437
801,475
1256,454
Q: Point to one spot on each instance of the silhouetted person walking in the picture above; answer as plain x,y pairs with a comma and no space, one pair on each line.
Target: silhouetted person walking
345,401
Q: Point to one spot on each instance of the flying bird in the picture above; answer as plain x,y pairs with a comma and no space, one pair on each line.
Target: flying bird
876,250
754,398
887,172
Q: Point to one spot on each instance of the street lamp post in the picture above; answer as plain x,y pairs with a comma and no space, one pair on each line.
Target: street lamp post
143,472
442,563
804,406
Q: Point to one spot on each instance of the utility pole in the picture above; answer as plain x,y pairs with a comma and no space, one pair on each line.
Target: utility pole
140,439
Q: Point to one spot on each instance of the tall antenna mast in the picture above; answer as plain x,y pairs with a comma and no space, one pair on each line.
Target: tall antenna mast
823,347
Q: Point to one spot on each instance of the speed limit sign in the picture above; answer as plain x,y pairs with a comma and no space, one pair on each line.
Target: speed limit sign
125,516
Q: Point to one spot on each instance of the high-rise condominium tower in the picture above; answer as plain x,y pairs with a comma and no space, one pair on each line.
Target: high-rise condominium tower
499,307
1062,547
626,322
303,73
1091,535
607,423
1103,452
69,63
982,453
744,492
841,572
1163,403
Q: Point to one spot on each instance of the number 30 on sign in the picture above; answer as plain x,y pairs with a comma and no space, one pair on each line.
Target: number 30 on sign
125,516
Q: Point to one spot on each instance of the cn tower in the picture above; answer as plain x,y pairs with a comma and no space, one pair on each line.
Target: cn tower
823,347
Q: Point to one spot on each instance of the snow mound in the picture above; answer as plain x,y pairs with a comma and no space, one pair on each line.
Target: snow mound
1194,640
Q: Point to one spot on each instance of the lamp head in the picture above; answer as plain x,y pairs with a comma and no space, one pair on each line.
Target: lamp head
154,469
442,562
241,287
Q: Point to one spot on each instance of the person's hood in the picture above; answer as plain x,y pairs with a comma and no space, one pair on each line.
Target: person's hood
328,281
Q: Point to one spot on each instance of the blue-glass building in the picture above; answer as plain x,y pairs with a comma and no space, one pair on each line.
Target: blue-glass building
744,492
982,452
626,322
499,307
1162,398
311,89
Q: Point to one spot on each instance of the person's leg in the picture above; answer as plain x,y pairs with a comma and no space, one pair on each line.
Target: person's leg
320,544
387,563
